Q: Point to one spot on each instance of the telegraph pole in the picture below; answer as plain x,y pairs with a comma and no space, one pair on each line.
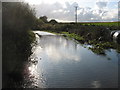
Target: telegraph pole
76,13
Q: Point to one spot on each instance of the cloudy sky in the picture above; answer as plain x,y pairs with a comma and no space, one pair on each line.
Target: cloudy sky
88,10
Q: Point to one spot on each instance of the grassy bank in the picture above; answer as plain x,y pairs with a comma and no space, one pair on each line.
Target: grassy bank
98,47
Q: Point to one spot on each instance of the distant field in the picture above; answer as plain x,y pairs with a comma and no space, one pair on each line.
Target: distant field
102,23
98,23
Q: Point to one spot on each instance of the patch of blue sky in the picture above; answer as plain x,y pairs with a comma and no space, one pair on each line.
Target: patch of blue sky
87,4
112,5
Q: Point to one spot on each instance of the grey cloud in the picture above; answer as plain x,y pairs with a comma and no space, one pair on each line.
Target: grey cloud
57,11
47,9
101,4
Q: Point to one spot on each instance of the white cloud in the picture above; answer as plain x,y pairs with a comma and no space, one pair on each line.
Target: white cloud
67,12
111,15
63,10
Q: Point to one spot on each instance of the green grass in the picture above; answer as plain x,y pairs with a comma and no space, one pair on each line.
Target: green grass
97,23
97,46
73,35
100,47
101,23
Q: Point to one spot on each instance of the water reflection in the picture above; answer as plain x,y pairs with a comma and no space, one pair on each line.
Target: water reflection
62,63
96,84
56,48
34,75
56,55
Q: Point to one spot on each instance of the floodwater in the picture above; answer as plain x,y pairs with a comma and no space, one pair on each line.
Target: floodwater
59,62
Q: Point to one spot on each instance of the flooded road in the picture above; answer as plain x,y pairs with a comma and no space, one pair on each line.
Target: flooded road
58,62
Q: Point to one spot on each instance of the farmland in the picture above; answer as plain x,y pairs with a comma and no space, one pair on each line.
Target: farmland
100,23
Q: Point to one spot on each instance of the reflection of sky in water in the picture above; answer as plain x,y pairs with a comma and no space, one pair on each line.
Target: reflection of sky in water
57,49
64,63
35,78
34,74
96,84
